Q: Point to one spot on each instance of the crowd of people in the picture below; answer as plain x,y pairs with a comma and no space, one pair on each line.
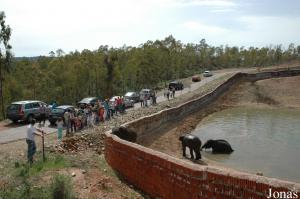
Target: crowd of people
84,117
90,115
145,98
169,92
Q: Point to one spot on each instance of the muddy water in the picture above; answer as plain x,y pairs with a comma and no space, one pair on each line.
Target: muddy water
264,140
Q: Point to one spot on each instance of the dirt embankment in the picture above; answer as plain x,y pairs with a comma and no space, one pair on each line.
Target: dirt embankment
270,93
273,93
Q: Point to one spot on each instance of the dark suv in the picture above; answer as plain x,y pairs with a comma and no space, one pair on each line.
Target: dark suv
25,110
176,84
59,112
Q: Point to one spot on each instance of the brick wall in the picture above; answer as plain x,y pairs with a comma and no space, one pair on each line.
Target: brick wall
161,175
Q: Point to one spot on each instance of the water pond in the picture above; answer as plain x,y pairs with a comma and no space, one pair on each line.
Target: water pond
264,140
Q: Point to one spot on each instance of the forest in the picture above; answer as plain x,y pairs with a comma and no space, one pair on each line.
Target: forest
110,71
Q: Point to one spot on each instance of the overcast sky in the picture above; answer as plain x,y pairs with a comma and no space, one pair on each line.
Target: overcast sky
40,26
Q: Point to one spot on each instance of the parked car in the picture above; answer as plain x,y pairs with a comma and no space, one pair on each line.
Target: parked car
147,92
88,100
196,78
207,73
59,112
25,110
132,96
176,84
128,102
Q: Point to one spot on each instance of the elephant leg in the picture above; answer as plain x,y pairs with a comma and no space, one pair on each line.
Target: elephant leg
192,154
198,154
183,150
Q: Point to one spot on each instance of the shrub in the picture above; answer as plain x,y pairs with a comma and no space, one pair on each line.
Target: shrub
61,187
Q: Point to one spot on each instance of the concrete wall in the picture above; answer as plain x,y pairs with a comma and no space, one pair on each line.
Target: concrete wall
161,175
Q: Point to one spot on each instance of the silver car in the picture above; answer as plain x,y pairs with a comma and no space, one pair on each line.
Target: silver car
26,110
207,73
132,96
128,102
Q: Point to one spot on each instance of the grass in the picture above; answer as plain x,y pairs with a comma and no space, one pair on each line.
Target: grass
52,162
22,185
59,188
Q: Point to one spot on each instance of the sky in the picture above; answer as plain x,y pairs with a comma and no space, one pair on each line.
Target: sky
41,26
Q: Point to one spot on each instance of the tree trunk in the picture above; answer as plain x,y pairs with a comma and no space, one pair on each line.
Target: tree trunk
1,93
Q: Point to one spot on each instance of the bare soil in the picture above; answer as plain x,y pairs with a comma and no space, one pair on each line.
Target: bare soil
273,93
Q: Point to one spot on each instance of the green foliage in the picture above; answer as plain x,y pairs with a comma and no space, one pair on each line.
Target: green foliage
61,187
52,162
105,72
24,186
5,56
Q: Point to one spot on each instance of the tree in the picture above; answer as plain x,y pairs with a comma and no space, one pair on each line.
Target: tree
109,62
5,55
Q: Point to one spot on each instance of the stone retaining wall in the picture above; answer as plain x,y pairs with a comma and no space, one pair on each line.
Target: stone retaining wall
161,175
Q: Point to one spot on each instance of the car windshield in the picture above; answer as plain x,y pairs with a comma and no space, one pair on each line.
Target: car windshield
58,110
129,94
87,100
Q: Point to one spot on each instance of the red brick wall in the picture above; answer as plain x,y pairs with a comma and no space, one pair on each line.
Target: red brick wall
164,176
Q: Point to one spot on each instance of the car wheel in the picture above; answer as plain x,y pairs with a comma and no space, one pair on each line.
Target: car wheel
52,123
15,121
30,118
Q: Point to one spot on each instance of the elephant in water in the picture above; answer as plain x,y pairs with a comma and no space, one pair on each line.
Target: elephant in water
218,146
192,142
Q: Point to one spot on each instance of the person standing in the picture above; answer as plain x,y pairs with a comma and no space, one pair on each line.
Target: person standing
122,101
145,100
142,99
85,114
72,121
90,117
173,91
168,95
60,125
31,132
54,105
154,98
107,111
67,121
42,111
98,112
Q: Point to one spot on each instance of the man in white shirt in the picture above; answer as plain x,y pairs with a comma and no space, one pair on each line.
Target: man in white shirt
31,131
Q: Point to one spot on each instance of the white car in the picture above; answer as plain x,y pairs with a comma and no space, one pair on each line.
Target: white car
128,102
207,73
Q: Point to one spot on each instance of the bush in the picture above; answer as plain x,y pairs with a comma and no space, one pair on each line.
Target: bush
61,187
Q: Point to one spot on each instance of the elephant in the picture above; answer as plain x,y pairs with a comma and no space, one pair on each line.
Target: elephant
192,142
125,134
218,146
